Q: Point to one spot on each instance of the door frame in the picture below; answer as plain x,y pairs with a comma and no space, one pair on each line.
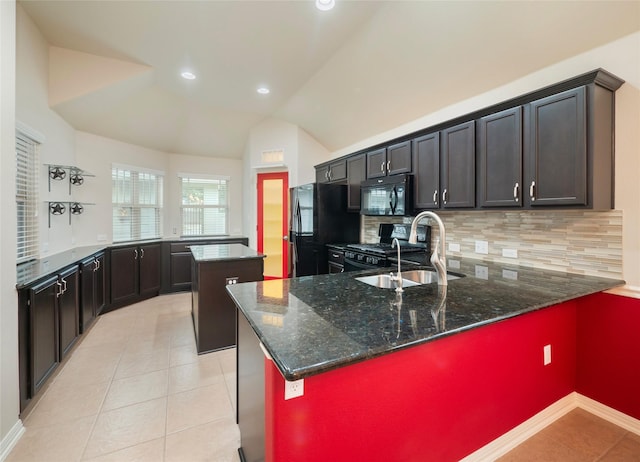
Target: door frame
284,176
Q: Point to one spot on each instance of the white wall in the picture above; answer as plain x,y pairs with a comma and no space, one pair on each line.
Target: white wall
301,153
10,426
622,58
32,109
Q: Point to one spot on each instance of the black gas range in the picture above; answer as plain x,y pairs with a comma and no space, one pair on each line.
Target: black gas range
377,255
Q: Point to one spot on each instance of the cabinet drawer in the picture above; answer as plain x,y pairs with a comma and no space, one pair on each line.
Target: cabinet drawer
336,256
182,247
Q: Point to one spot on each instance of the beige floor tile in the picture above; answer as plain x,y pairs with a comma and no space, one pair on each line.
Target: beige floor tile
64,403
227,360
127,426
183,355
135,364
539,448
90,365
198,406
626,450
55,443
213,442
205,371
136,389
151,451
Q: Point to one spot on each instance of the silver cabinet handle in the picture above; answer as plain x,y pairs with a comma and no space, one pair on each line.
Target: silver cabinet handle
515,192
388,166
382,167
98,262
435,197
135,251
141,253
59,292
335,255
444,196
64,289
532,190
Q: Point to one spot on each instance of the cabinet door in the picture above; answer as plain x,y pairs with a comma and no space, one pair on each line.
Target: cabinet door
338,170
556,155
500,159
458,166
322,174
399,158
356,174
426,168
149,269
180,274
44,331
100,274
124,274
69,320
377,163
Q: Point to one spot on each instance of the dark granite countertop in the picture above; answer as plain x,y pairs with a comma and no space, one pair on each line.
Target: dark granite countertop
319,323
217,252
30,272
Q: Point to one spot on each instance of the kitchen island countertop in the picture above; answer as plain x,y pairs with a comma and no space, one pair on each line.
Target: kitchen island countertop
314,324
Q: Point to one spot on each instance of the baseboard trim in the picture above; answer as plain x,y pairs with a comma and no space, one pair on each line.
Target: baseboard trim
607,413
11,439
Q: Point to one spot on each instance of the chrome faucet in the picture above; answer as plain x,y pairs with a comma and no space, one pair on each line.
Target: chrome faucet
397,279
438,258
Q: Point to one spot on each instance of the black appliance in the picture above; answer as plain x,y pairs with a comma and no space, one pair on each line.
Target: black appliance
371,256
391,195
318,216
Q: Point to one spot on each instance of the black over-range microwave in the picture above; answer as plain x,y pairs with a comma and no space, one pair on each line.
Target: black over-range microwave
391,195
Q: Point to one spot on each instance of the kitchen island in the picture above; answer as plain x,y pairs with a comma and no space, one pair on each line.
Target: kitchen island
213,312
425,375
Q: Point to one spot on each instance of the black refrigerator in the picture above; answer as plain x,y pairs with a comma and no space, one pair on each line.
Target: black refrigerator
318,216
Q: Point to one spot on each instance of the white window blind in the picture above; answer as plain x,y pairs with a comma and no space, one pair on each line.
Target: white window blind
137,204
205,206
27,196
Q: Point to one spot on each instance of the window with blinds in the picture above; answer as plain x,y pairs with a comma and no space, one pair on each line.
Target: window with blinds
27,196
136,196
205,205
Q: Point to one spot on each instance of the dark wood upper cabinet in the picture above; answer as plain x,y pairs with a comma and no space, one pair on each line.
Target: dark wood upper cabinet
426,168
391,160
377,163
556,130
356,174
458,166
399,158
499,172
335,171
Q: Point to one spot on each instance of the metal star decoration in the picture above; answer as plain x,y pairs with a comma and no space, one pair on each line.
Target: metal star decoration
57,208
57,173
76,179
76,208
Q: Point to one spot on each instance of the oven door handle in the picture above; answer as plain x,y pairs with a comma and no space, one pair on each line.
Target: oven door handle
357,265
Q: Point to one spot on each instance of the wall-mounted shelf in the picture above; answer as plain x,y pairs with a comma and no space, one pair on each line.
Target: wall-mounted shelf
60,208
59,172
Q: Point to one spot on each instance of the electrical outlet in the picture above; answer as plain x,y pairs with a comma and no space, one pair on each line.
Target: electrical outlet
454,264
482,247
454,247
293,389
510,274
233,280
547,354
482,272
510,253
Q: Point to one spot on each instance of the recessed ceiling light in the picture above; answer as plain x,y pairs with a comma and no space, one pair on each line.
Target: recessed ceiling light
188,75
263,90
325,5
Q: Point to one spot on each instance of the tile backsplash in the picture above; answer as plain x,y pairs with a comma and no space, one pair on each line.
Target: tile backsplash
583,242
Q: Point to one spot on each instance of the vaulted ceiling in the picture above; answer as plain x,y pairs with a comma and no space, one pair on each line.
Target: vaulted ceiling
343,75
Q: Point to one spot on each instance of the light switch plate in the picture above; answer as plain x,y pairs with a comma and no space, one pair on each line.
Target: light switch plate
454,247
482,247
510,253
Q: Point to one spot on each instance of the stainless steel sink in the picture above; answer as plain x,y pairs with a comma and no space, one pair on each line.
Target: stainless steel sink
384,281
425,276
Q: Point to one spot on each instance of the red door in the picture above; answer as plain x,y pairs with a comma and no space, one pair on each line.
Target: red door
273,209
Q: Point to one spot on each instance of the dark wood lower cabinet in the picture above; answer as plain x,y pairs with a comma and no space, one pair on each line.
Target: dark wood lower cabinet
68,310
134,273
92,296
214,313
43,333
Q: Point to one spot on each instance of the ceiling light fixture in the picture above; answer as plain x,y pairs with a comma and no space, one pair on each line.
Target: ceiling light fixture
263,90
325,5
188,75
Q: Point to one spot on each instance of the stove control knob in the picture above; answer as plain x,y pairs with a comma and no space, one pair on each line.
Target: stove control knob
360,257
369,260
374,261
